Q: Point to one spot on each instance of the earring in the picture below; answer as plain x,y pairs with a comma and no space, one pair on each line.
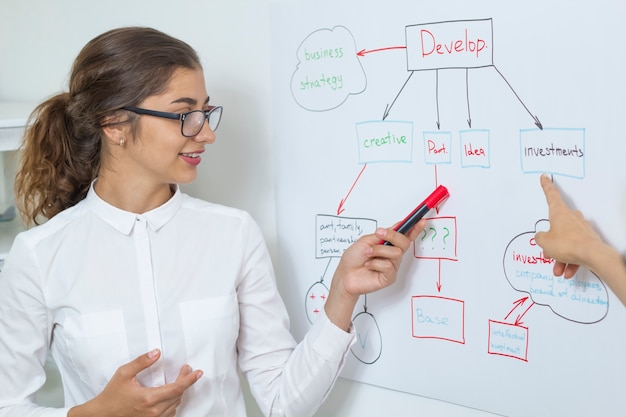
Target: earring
121,141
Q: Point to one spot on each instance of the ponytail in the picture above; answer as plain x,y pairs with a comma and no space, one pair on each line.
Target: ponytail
55,168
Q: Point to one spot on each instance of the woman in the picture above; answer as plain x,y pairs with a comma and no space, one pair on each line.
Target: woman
150,300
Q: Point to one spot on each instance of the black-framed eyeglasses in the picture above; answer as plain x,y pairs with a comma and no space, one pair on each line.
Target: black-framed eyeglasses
191,122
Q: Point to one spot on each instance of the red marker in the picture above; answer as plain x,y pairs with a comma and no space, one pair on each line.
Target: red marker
433,200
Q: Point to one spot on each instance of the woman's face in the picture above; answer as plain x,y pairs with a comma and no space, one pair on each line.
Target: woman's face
160,154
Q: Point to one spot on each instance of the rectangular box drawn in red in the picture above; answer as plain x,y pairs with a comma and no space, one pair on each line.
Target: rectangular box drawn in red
437,317
438,239
507,339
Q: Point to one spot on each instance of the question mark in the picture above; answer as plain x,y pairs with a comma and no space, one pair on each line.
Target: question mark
423,237
434,233
446,235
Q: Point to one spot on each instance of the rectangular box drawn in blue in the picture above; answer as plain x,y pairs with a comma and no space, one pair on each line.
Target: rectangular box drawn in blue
553,151
385,141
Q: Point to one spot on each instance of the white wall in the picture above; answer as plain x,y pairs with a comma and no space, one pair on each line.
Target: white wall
38,42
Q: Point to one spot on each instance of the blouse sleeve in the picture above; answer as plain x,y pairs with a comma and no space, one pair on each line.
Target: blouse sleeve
285,378
24,335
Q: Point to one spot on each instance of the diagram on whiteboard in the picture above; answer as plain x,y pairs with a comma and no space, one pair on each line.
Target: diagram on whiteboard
330,71
375,106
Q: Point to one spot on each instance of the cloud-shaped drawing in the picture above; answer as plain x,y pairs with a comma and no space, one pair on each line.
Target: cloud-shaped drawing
328,70
582,298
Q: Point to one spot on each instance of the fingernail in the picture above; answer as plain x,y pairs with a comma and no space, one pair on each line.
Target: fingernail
200,373
153,353
381,232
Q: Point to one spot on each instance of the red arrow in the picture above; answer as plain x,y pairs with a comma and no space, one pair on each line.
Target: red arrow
517,303
340,209
439,277
436,185
518,320
362,52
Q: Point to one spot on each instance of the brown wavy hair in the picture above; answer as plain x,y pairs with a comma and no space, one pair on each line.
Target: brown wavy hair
63,147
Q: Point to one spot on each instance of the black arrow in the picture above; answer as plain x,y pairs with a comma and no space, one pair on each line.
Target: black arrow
535,118
469,114
389,106
437,96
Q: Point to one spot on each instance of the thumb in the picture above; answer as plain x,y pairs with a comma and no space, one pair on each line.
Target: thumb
539,237
543,239
132,368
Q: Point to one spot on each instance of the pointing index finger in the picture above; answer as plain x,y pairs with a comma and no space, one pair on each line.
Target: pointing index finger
553,197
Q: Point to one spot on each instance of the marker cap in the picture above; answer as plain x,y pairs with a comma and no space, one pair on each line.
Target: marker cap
436,197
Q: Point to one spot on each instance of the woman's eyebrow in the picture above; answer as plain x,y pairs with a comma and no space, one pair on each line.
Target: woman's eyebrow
189,100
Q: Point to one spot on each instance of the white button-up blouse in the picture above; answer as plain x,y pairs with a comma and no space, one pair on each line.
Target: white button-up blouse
98,286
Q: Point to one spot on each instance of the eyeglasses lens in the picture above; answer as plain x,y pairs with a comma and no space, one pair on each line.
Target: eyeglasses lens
214,118
193,121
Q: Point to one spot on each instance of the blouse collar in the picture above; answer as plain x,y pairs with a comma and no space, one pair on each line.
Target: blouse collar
124,221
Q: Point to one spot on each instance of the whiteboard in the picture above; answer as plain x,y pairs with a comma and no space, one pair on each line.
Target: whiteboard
373,107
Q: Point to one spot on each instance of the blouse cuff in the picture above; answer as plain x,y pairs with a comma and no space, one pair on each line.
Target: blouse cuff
330,341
